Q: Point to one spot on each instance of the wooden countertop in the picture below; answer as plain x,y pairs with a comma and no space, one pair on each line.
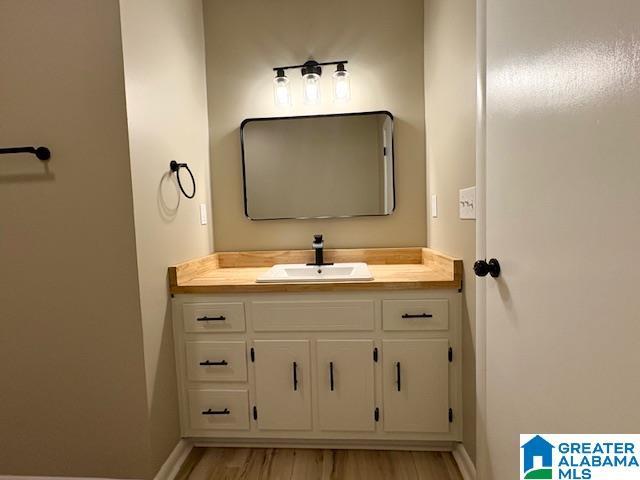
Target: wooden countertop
392,269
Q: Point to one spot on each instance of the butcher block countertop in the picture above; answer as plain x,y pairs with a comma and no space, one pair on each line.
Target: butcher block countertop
392,269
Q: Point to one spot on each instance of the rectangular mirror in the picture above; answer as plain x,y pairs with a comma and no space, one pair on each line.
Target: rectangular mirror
319,166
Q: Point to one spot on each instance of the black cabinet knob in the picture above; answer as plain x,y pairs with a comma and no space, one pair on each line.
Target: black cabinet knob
482,268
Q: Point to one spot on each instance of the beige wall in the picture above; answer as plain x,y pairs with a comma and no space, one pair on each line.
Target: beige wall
450,121
72,400
383,42
163,44
82,333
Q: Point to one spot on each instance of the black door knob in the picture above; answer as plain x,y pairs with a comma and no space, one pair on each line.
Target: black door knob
482,268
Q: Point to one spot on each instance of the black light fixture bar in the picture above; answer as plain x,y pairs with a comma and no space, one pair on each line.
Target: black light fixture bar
311,71
310,62
43,153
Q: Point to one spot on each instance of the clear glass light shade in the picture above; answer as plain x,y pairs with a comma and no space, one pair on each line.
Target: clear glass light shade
341,86
311,88
281,91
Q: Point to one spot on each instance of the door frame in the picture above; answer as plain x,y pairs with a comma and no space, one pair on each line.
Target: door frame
482,453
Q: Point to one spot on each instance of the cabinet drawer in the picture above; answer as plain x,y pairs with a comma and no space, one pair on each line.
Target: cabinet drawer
213,317
216,361
400,315
219,409
335,315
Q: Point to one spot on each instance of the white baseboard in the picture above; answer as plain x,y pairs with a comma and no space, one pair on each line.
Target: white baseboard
174,461
466,466
168,471
444,446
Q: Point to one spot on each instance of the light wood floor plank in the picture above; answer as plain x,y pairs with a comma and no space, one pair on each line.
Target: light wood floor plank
202,470
281,465
230,464
190,463
316,464
452,467
429,465
381,464
327,464
339,464
307,464
349,464
254,465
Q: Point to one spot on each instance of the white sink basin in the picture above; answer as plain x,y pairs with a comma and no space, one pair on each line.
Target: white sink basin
339,272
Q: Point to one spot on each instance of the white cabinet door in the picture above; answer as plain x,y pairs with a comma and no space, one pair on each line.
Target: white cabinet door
283,384
416,385
345,385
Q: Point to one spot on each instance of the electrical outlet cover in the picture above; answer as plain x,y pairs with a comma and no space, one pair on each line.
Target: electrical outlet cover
467,203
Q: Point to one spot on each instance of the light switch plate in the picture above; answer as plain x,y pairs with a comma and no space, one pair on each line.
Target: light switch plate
467,203
434,206
203,214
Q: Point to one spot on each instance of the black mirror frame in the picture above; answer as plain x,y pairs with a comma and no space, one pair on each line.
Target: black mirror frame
260,119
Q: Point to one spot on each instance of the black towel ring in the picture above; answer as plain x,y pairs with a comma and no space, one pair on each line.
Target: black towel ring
175,167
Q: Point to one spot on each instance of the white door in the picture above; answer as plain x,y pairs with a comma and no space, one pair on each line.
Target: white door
283,384
563,218
345,385
415,385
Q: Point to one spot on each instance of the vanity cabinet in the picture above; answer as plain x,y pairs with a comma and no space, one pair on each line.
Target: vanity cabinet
313,367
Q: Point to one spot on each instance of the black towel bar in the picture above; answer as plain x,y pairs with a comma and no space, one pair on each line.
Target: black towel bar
43,153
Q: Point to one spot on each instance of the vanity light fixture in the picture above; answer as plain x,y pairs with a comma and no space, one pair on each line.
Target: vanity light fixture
281,89
311,73
341,84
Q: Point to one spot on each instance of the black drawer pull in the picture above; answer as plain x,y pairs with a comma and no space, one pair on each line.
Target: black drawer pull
209,363
221,318
295,376
331,375
419,315
217,412
398,375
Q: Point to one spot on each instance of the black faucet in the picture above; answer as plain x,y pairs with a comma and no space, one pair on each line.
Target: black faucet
318,246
